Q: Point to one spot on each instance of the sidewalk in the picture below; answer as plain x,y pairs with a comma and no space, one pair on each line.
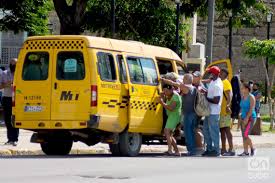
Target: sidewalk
267,140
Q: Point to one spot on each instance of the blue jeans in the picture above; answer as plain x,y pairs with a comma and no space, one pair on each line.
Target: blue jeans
211,132
190,121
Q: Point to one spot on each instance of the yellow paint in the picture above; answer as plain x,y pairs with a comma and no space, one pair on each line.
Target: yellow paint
119,105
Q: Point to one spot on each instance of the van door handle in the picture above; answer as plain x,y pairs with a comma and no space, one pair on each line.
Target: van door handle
55,86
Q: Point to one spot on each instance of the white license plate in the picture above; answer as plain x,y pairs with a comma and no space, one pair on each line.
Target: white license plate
33,108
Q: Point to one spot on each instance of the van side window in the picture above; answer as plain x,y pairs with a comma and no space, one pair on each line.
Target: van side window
164,67
70,66
36,66
142,70
106,66
181,69
121,69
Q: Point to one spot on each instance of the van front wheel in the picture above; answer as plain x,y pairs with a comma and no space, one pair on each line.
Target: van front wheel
57,148
130,144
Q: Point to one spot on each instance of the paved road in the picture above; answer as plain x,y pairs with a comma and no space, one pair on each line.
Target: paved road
145,168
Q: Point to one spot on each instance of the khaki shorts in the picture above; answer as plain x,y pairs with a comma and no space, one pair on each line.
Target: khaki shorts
225,121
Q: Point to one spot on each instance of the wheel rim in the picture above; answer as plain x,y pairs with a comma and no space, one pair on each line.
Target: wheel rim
134,141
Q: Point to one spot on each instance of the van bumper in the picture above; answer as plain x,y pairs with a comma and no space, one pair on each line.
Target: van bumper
33,125
94,121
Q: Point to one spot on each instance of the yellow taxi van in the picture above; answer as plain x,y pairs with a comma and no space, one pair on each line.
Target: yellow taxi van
91,89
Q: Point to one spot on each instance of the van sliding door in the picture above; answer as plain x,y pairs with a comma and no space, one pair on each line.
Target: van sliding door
144,113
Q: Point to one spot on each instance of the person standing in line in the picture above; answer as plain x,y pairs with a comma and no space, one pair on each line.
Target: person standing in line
211,127
197,81
1,90
225,118
248,118
188,92
258,95
6,84
171,101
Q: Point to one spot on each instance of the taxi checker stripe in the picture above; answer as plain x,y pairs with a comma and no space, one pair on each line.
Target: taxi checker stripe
113,103
142,105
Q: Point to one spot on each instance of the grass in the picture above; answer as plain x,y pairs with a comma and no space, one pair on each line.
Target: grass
265,118
265,128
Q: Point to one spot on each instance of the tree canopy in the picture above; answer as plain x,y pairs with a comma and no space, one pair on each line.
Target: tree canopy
150,21
257,49
27,15
244,12
264,49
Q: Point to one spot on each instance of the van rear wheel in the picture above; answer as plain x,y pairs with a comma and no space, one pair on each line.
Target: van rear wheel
129,144
57,148
57,144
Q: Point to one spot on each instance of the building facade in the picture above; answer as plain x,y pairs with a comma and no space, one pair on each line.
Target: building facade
252,69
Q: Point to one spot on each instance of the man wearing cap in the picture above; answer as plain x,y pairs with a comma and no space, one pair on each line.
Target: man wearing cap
211,126
6,81
197,82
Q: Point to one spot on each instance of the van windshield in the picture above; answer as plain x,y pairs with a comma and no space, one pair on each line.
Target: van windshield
36,66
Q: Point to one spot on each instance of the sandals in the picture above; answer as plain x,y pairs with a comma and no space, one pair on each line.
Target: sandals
167,153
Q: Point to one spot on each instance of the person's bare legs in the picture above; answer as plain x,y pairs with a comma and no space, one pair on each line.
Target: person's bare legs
239,124
249,143
245,145
229,138
174,144
167,133
223,139
232,123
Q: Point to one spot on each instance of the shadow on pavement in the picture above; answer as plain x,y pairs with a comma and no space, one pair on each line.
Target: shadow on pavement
77,156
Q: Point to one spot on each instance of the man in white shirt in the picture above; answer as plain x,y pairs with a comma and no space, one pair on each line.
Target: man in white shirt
211,127
6,81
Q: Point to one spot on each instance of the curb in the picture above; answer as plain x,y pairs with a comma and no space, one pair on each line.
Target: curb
26,152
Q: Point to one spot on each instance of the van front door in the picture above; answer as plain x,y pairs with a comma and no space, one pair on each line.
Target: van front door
144,113
222,64
70,86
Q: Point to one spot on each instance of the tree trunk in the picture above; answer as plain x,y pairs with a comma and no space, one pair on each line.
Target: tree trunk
272,119
71,17
269,90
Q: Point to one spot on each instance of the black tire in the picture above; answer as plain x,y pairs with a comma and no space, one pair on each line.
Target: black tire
114,148
130,144
57,144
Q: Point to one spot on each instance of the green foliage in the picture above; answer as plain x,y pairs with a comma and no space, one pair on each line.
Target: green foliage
153,22
27,15
244,12
256,48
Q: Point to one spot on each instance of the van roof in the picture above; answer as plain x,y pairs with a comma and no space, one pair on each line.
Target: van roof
116,45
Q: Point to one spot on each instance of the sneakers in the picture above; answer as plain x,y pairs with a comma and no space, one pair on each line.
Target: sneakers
11,143
229,153
206,153
253,152
244,154
211,153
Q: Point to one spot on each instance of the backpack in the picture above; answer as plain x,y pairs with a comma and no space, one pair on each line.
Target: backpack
201,105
